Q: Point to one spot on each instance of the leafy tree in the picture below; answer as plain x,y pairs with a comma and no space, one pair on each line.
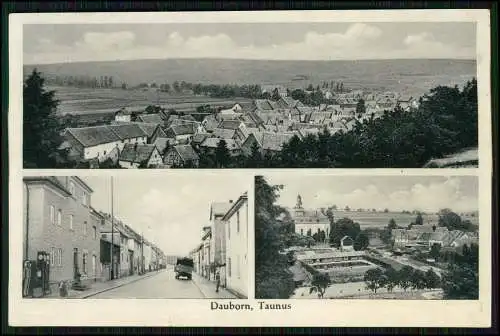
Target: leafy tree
405,276
360,107
418,280
391,278
361,242
374,279
222,156
255,158
392,224
419,220
432,280
386,210
275,96
273,280
320,283
343,227
41,127
461,279
435,251
453,221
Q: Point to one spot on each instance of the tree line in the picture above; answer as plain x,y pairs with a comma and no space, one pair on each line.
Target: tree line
84,81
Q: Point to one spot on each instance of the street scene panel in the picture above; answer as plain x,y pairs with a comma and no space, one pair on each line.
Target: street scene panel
143,237
251,95
366,237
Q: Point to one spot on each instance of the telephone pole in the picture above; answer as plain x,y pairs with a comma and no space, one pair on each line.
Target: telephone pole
112,233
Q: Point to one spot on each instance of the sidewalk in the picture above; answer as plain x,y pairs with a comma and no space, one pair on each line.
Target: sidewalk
207,287
99,287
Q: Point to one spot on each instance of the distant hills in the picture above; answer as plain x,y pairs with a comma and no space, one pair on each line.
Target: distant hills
372,74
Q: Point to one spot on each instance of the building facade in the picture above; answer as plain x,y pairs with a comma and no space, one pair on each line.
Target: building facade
58,220
309,222
236,220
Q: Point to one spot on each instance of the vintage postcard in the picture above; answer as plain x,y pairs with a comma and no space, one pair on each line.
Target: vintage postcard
367,237
250,94
250,169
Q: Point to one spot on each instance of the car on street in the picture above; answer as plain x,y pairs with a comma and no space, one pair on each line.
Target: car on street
184,268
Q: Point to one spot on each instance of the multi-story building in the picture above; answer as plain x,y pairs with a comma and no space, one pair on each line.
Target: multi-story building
309,222
236,219
217,212
111,247
59,220
146,250
207,252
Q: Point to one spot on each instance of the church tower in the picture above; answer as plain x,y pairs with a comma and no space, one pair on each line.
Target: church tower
299,210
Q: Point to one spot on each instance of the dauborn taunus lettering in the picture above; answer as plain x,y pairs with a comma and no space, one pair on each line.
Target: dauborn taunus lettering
262,305
274,306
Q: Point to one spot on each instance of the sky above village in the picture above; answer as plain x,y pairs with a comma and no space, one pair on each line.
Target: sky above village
170,209
60,43
396,193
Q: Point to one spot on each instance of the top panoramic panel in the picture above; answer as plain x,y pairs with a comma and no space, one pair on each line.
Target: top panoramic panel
250,95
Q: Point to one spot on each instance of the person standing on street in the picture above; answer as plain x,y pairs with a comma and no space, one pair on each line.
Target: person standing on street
217,281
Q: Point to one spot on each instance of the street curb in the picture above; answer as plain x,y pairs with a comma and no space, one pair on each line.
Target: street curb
114,287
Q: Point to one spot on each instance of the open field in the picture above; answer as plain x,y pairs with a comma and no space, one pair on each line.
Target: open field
413,77
381,219
83,101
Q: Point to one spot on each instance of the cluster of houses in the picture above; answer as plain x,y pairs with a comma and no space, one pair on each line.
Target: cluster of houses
81,242
224,246
426,236
136,139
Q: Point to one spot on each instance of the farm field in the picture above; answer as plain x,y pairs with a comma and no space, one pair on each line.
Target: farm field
381,219
414,77
89,101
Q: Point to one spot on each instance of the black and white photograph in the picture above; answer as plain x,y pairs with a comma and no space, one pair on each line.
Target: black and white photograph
135,238
366,237
250,95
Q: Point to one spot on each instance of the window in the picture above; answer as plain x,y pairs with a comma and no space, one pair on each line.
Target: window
238,221
94,263
94,229
84,265
72,188
59,217
59,257
238,269
301,232
71,222
229,266
84,228
52,214
84,199
52,256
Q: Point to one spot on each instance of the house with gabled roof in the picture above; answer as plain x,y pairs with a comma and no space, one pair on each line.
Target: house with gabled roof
181,156
210,145
99,142
137,155
182,133
123,115
154,118
268,142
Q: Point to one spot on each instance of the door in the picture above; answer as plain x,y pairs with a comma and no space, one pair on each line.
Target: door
75,263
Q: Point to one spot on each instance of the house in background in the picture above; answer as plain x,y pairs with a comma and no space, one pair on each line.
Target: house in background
123,115
236,219
181,156
182,134
140,155
218,226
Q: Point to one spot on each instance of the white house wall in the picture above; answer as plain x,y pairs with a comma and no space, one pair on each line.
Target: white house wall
237,251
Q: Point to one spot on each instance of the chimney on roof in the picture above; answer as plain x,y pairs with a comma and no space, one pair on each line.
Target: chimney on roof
230,201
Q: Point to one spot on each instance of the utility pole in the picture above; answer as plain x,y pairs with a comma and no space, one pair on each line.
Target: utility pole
112,233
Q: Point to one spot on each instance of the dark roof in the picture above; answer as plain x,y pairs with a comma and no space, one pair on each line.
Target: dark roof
150,118
188,128
271,140
93,136
230,124
263,104
200,137
148,128
186,152
136,153
127,131
224,133
210,122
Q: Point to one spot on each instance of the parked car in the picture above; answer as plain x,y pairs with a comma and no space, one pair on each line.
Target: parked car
184,268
